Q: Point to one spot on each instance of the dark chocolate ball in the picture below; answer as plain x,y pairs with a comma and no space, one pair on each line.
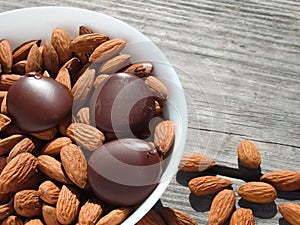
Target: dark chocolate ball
38,103
122,104
124,172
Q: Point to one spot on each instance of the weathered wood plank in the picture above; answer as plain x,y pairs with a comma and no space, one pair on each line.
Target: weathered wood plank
239,64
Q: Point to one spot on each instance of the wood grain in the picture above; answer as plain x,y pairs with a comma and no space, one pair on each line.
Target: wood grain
239,64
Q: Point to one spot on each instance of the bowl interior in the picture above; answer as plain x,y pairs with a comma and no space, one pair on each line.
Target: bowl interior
22,25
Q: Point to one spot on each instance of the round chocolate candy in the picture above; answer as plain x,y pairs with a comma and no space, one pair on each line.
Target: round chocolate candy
124,172
37,103
122,104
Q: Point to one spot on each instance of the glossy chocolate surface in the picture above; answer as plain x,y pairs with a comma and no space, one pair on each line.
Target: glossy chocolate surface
124,172
122,104
38,103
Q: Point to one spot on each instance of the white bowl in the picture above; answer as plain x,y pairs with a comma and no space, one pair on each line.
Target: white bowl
26,24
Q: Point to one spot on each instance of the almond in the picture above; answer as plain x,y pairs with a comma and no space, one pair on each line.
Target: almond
174,216
67,206
4,121
7,209
49,192
53,147
221,207
242,216
73,66
107,50
195,163
99,79
21,52
7,80
143,69
207,185
115,217
83,115
33,222
86,136
90,212
151,218
164,136
52,168
49,215
34,60
6,59
3,163
115,64
46,134
82,89
18,172
159,90
19,67
63,77
75,165
12,220
257,192
4,106
290,212
86,43
283,180
50,58
248,154
61,41
84,30
27,203
25,145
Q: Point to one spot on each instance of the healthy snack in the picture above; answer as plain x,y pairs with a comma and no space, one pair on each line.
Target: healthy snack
67,105
242,216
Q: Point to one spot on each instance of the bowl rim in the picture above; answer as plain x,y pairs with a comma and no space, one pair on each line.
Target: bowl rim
142,209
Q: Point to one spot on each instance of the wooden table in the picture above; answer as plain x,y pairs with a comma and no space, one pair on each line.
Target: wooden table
239,64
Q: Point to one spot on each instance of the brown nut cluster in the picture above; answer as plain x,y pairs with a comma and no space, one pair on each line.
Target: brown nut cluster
43,175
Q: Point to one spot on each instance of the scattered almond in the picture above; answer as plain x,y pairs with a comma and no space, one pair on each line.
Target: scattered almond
248,154
257,192
54,146
290,212
151,218
283,180
90,212
195,162
49,215
242,216
6,59
115,217
49,192
27,203
143,69
207,185
221,207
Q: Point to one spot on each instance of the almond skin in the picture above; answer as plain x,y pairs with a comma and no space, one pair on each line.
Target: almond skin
61,41
49,215
12,220
248,154
52,168
208,185
6,59
18,172
67,206
283,180
164,136
90,212
151,218
7,209
257,192
75,164
174,216
221,207
49,192
195,163
242,216
290,212
54,147
115,217
27,203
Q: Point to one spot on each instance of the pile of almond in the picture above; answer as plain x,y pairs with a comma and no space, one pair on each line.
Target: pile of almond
261,191
43,175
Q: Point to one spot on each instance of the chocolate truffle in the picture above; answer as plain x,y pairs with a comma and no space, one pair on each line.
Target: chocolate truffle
124,172
38,103
122,104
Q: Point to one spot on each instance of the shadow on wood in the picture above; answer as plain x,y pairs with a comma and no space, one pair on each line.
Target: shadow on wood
201,203
264,211
289,195
282,221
